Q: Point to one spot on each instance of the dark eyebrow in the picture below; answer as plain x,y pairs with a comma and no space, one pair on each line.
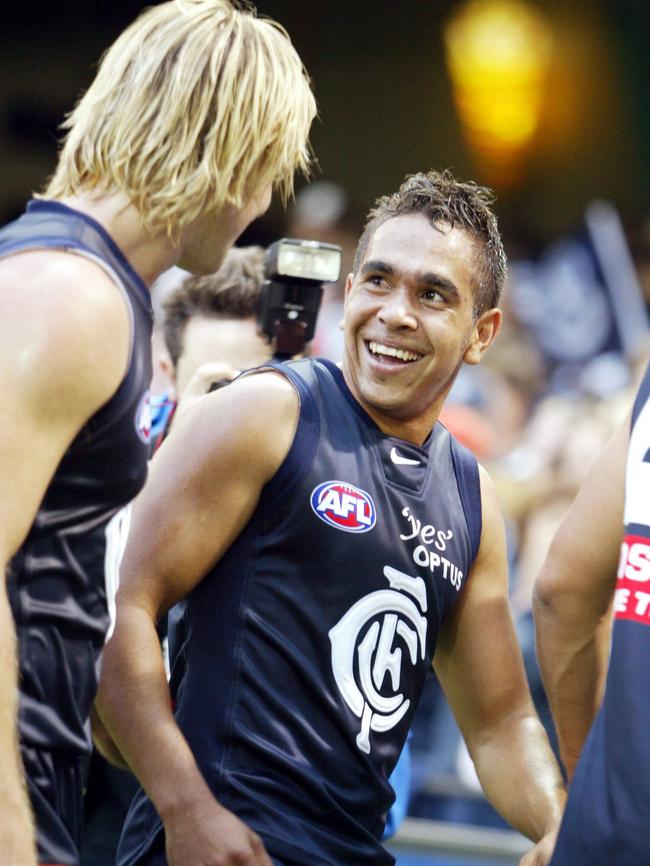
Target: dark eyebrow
377,265
436,281
426,278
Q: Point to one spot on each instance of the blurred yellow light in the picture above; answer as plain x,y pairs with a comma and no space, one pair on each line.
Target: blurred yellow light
498,53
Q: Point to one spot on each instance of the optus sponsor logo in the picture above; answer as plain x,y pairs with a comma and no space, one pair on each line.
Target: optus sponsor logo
344,506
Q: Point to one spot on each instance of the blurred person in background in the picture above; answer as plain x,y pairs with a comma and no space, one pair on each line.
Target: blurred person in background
197,111
211,332
593,668
280,750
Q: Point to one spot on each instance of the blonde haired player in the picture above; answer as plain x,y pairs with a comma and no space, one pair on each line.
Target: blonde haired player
197,111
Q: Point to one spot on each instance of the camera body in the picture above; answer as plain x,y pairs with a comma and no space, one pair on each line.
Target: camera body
295,272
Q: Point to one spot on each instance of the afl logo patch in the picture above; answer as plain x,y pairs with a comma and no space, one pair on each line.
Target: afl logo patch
143,419
344,506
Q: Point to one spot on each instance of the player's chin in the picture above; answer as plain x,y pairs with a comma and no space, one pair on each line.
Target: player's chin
393,402
200,267
203,261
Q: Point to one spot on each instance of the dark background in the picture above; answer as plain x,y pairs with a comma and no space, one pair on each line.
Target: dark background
385,99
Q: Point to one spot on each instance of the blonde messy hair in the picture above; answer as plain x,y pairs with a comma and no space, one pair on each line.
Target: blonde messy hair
198,104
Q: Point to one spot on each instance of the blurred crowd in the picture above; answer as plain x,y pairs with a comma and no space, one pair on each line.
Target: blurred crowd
536,412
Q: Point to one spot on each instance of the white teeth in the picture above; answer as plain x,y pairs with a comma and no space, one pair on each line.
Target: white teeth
402,354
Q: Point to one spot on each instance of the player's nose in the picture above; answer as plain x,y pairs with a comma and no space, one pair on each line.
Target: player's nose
397,310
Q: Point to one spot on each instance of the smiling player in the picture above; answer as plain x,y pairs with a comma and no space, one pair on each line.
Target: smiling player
333,541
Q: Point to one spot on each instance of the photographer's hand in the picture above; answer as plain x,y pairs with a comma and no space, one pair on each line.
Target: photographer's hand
200,384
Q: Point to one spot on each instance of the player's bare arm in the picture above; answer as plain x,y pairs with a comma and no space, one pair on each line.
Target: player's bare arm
56,369
203,488
573,596
16,825
480,668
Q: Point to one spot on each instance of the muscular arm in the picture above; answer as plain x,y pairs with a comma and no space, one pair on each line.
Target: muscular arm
203,488
64,338
572,599
481,671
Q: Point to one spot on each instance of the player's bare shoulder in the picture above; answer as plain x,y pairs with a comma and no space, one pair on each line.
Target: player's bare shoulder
65,330
267,400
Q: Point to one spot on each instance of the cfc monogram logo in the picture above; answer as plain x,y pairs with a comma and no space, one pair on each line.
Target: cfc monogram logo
396,616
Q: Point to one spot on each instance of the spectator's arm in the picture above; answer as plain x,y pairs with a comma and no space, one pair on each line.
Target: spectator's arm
572,599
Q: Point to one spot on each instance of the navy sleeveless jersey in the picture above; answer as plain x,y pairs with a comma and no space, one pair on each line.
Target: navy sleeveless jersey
607,820
307,646
62,580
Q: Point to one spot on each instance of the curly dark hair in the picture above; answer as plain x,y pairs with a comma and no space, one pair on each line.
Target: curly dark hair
443,199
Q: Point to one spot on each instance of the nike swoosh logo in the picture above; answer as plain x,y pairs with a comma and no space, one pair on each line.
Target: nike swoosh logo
403,461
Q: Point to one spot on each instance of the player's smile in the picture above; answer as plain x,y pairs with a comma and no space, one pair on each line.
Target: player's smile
386,354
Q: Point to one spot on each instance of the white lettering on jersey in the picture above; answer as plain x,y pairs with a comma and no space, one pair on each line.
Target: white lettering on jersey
635,561
428,533
424,556
343,504
631,601
117,531
376,655
637,473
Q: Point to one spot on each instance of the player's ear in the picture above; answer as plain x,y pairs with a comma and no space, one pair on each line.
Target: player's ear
486,328
349,280
166,365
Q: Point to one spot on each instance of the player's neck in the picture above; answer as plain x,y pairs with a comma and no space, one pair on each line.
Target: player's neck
398,421
415,431
148,254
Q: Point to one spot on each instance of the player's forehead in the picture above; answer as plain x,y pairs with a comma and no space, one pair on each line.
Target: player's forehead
410,244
